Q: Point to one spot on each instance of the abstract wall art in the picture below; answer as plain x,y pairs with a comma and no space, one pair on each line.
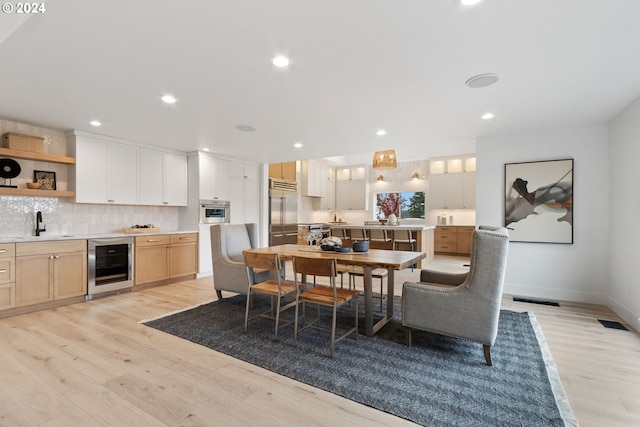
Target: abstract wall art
539,201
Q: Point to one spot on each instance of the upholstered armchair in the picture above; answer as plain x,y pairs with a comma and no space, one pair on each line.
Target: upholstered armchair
229,270
464,305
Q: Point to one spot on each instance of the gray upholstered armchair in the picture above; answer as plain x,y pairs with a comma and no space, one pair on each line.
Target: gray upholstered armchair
464,305
229,271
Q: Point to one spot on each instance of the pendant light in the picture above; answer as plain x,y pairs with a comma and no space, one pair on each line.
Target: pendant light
385,159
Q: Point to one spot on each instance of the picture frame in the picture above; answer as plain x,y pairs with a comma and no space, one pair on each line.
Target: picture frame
46,179
538,204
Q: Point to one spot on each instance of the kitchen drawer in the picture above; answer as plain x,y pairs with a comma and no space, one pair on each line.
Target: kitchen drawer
446,237
162,239
446,229
7,250
50,247
7,270
466,228
445,247
183,238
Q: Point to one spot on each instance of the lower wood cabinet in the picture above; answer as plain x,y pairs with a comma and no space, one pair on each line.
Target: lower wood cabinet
165,256
48,271
7,275
453,239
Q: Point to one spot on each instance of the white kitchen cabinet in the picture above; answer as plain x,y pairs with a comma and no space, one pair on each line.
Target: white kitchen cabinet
313,178
452,183
213,178
106,172
163,178
352,189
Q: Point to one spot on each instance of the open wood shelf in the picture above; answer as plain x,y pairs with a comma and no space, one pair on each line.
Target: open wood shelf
6,191
31,155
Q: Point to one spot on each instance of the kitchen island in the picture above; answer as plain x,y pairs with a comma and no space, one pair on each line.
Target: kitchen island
423,234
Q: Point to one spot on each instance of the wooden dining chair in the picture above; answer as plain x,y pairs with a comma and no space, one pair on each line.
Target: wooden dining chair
276,287
322,295
376,273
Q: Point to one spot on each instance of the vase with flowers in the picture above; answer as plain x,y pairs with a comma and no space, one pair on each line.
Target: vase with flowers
390,204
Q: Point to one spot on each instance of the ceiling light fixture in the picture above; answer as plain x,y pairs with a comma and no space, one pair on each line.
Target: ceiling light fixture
469,2
246,128
381,132
487,116
298,145
168,99
385,159
95,123
206,149
482,80
280,61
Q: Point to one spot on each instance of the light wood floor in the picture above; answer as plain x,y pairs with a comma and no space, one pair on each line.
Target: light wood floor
93,364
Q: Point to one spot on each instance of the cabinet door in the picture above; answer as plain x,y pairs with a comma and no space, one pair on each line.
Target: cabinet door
469,190
289,171
446,191
351,195
184,259
123,174
222,180
207,178
175,180
33,279
151,177
251,201
236,199
92,185
151,263
69,275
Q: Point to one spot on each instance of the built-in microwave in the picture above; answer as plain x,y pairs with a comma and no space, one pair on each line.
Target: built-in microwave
214,211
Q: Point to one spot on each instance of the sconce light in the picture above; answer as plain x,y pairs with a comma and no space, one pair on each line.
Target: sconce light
380,178
415,175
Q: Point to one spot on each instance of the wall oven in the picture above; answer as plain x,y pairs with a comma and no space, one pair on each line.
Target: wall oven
109,266
215,211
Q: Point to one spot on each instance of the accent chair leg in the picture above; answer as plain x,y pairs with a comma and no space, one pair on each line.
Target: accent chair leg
487,354
407,335
246,313
219,294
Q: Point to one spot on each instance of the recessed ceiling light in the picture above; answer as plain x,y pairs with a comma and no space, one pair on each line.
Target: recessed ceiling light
469,2
298,145
206,149
487,116
280,61
246,128
95,123
482,80
381,132
168,99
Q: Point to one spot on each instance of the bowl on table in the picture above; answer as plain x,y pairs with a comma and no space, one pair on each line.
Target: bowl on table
327,247
342,249
360,246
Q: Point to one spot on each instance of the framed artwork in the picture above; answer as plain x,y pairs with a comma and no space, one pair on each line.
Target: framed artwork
539,201
46,179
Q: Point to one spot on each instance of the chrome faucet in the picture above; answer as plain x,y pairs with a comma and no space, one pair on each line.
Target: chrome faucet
38,222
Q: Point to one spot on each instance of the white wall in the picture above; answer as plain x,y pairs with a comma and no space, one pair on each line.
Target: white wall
577,272
624,291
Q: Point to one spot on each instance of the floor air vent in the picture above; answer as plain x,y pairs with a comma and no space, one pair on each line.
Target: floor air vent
536,301
612,325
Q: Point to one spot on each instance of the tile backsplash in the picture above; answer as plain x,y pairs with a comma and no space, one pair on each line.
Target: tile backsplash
63,216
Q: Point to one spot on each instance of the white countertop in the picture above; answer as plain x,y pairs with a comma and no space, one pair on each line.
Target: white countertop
52,237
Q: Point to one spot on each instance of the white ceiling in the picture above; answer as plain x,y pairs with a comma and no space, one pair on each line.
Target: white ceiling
356,66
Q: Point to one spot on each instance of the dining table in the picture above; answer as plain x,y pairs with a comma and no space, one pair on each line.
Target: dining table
390,260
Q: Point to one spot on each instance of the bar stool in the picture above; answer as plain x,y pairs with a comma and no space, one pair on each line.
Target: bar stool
406,238
358,234
378,236
376,273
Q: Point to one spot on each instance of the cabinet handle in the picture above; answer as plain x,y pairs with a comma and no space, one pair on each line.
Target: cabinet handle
51,257
3,250
4,270
56,256
152,240
185,238
165,203
110,200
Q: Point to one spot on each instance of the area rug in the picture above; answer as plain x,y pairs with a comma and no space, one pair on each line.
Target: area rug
438,381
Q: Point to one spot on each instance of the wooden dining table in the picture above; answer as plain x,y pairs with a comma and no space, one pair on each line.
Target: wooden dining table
374,258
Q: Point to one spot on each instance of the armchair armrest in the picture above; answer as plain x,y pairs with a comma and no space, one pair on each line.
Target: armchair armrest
451,279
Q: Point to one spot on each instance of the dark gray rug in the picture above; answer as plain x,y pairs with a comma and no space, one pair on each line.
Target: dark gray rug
439,381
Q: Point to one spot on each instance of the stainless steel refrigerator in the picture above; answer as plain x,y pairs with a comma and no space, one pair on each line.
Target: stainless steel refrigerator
283,217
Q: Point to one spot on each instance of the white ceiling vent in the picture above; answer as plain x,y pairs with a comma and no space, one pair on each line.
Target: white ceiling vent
482,80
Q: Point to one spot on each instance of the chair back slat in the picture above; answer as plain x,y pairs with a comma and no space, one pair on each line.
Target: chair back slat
263,261
325,267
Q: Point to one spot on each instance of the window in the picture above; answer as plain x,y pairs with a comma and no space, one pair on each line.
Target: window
408,204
